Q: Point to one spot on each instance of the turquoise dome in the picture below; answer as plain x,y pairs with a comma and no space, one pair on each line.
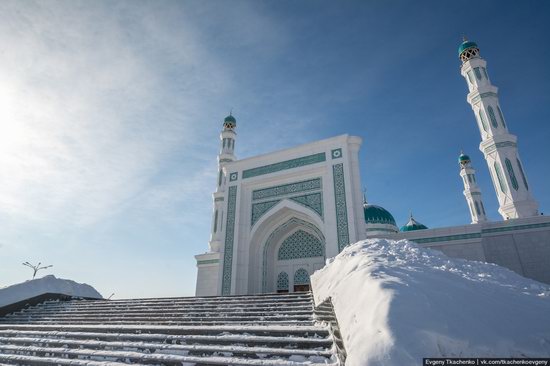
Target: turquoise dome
230,118
413,225
377,215
465,45
463,158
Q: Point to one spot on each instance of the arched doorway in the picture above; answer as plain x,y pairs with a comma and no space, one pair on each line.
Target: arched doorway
291,256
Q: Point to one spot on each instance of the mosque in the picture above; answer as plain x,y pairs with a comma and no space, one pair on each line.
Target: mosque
277,217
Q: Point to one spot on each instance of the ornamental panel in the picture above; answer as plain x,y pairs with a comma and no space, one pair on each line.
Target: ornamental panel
284,165
511,174
301,244
341,206
229,239
286,189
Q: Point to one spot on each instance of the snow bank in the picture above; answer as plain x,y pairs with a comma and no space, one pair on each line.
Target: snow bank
28,289
397,303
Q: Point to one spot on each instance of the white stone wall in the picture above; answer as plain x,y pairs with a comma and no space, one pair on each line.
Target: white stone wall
522,245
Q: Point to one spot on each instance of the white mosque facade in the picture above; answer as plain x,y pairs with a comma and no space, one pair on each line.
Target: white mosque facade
277,217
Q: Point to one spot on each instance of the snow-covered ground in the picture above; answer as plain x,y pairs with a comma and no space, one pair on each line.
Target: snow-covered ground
51,284
397,303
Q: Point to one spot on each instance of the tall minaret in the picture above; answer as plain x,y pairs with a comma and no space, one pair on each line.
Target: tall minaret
471,190
497,144
226,155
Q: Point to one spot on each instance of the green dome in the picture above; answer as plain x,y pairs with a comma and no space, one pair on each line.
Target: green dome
413,225
463,158
230,118
465,45
377,215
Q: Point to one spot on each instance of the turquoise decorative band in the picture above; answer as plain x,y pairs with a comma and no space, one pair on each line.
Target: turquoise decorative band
258,209
285,189
341,206
284,165
229,239
209,261
517,227
446,238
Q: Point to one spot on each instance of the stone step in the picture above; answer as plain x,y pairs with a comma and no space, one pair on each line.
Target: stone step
159,317
164,313
33,360
214,330
152,347
99,303
147,358
222,339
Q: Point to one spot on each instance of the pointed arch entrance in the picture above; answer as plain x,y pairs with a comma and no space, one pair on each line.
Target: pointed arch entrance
285,240
295,246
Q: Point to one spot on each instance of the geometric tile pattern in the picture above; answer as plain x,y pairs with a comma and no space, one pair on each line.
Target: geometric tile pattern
283,165
313,201
282,281
229,238
301,277
341,207
300,244
286,189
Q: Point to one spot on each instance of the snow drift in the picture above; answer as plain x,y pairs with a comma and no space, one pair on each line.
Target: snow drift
397,303
39,286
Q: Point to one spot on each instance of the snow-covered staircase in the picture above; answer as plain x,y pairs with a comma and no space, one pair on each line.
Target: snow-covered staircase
271,329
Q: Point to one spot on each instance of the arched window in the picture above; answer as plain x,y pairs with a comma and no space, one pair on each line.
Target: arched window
282,282
478,73
469,178
216,221
492,117
485,73
301,277
501,116
477,208
301,244
482,119
501,182
522,174
482,207
511,174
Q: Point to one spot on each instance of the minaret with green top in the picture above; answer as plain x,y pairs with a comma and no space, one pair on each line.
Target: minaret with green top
226,155
472,193
498,145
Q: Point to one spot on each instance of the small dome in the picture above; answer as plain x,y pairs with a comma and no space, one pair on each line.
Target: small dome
463,158
466,45
413,225
230,118
377,215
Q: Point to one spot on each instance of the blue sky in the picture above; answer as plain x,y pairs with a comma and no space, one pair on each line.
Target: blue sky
110,114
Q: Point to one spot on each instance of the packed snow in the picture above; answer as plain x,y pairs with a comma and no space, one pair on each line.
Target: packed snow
46,284
397,303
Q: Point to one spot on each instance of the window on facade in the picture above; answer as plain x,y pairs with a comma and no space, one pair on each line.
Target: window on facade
482,207
282,282
469,178
301,280
474,178
511,174
478,73
216,221
482,119
522,174
501,116
477,208
220,178
471,208
500,178
492,117
485,73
